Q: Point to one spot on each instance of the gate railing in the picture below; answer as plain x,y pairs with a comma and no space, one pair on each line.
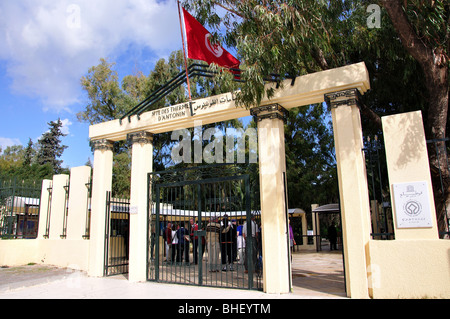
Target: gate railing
116,235
87,228
66,210
194,220
379,193
19,208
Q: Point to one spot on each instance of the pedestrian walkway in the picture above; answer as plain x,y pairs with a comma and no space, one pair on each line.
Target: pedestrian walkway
318,275
314,275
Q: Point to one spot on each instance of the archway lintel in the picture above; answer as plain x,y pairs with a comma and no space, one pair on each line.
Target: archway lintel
307,89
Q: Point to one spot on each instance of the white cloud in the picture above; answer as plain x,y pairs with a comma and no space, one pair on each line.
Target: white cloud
48,45
6,141
65,126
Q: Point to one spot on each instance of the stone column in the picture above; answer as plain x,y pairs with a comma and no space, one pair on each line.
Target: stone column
101,183
272,169
141,165
353,189
407,163
78,197
315,223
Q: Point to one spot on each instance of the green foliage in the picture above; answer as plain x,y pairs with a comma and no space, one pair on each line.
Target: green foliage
102,87
310,162
290,38
296,37
13,165
50,148
108,99
121,174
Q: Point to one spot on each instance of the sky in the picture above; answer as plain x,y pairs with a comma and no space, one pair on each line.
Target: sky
46,46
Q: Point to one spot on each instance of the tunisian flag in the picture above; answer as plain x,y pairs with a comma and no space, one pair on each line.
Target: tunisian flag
200,47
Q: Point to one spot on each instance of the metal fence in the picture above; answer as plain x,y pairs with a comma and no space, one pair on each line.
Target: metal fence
66,210
117,235
19,208
379,193
197,216
87,229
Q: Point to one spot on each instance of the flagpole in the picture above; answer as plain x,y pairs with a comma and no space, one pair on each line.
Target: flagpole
184,52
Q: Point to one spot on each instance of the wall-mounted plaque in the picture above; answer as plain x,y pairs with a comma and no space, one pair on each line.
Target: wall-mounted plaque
412,205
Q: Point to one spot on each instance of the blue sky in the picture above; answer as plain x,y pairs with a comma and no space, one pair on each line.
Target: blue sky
46,46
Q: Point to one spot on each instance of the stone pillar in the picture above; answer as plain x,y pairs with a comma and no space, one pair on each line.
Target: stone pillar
101,183
141,165
353,189
304,231
407,163
316,230
78,197
272,169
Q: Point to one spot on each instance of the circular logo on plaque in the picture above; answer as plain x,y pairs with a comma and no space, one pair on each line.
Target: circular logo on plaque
412,208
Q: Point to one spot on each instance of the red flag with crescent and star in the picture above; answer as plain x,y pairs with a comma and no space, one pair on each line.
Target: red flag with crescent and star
200,47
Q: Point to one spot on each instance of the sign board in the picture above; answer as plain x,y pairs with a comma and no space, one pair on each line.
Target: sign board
412,205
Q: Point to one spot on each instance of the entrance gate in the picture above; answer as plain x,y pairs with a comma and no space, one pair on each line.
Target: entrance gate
117,235
195,224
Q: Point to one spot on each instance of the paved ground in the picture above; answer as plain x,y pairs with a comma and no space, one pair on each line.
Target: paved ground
314,276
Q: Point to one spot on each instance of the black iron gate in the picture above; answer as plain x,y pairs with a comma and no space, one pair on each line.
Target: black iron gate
116,235
198,229
379,192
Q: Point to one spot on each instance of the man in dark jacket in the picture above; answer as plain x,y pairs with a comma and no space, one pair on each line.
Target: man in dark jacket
182,242
227,231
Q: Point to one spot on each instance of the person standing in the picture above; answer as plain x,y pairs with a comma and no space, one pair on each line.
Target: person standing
213,242
194,239
240,243
168,238
251,241
291,238
226,243
332,236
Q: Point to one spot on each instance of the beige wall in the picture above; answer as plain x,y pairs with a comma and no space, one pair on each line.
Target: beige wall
19,252
416,264
409,269
72,251
62,253
407,160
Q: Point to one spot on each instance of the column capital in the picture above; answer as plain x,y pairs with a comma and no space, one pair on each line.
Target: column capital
140,137
270,111
345,97
102,144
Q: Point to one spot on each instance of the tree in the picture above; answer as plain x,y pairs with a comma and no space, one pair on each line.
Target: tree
29,153
311,165
423,28
50,148
104,94
407,57
109,98
11,160
12,165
